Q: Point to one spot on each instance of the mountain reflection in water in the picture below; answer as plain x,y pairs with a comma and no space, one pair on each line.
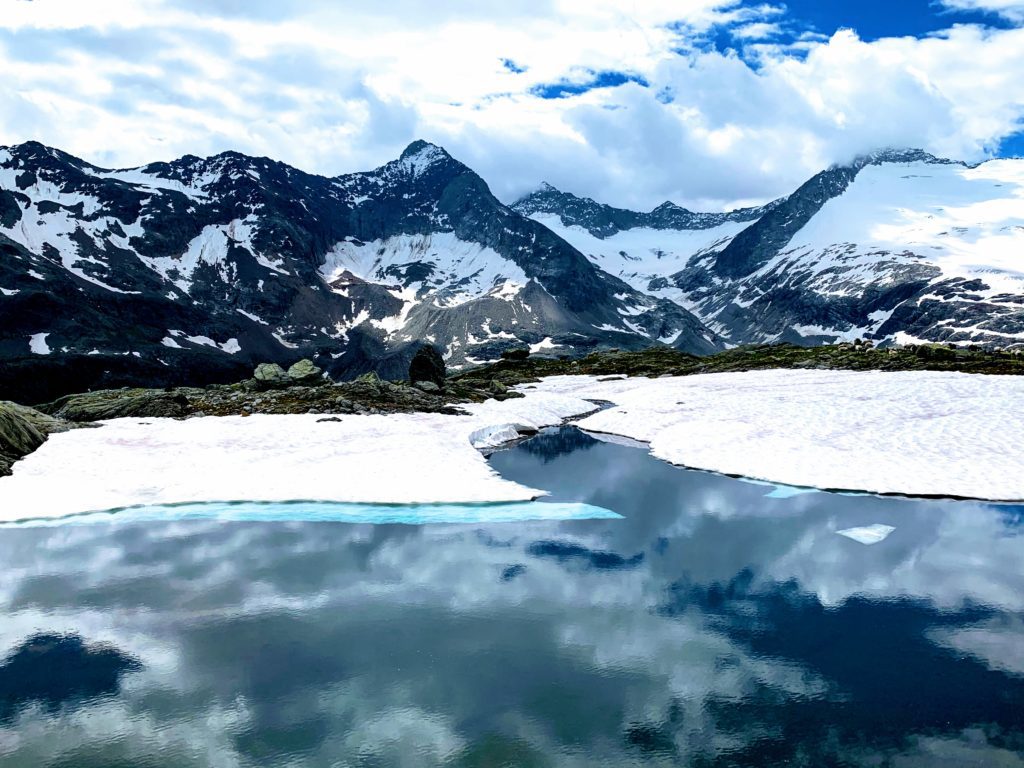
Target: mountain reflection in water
712,625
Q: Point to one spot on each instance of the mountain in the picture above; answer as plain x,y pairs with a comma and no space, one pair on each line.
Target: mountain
195,270
897,246
604,221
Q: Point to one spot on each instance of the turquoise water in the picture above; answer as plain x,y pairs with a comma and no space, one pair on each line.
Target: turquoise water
331,512
715,622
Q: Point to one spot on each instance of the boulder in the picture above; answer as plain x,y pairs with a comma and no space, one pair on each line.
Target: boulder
428,366
519,353
271,374
305,372
369,378
427,386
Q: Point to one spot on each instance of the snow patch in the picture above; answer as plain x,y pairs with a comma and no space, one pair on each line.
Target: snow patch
37,343
460,270
543,344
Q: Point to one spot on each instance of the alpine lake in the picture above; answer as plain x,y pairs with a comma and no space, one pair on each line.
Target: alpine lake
679,618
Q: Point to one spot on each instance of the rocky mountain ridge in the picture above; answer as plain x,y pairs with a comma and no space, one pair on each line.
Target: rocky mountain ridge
194,270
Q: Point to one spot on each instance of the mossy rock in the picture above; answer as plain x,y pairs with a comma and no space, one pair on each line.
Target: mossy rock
304,372
370,378
18,435
271,375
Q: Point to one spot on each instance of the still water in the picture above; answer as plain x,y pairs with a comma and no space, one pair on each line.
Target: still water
716,623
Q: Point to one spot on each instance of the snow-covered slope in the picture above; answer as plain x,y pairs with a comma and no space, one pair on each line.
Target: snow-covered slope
643,257
897,247
194,270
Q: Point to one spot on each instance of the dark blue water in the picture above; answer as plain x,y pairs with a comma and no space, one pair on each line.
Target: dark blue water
715,624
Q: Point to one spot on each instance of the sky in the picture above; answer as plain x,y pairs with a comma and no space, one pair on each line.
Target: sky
708,103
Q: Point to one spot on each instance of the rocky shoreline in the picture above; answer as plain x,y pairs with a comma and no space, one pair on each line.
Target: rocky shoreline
303,389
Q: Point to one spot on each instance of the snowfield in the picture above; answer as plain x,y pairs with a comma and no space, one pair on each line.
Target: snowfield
400,458
914,433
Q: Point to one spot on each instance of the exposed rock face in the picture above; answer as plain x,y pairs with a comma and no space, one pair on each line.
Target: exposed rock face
427,366
603,221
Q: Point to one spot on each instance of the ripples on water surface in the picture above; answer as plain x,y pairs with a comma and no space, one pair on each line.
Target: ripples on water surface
718,623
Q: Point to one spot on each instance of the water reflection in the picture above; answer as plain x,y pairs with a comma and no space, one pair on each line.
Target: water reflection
711,626
55,671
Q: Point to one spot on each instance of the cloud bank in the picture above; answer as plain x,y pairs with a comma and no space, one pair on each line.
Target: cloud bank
632,104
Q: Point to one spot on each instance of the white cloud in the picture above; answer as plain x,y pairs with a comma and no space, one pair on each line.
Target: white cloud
334,88
1011,9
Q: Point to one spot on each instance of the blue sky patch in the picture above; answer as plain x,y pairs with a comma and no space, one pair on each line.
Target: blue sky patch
511,66
789,22
1012,145
603,79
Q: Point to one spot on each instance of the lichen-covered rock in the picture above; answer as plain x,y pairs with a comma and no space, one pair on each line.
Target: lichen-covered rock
370,379
427,386
23,430
118,404
427,366
270,373
305,372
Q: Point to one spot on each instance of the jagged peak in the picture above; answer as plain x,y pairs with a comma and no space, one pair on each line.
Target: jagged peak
899,155
420,156
668,205
418,147
545,188
30,147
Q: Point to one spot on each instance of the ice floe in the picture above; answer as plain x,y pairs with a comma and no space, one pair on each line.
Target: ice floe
868,534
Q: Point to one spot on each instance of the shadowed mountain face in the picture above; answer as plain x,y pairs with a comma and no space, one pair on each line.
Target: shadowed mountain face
195,270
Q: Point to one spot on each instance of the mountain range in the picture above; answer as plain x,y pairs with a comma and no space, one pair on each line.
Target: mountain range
195,270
